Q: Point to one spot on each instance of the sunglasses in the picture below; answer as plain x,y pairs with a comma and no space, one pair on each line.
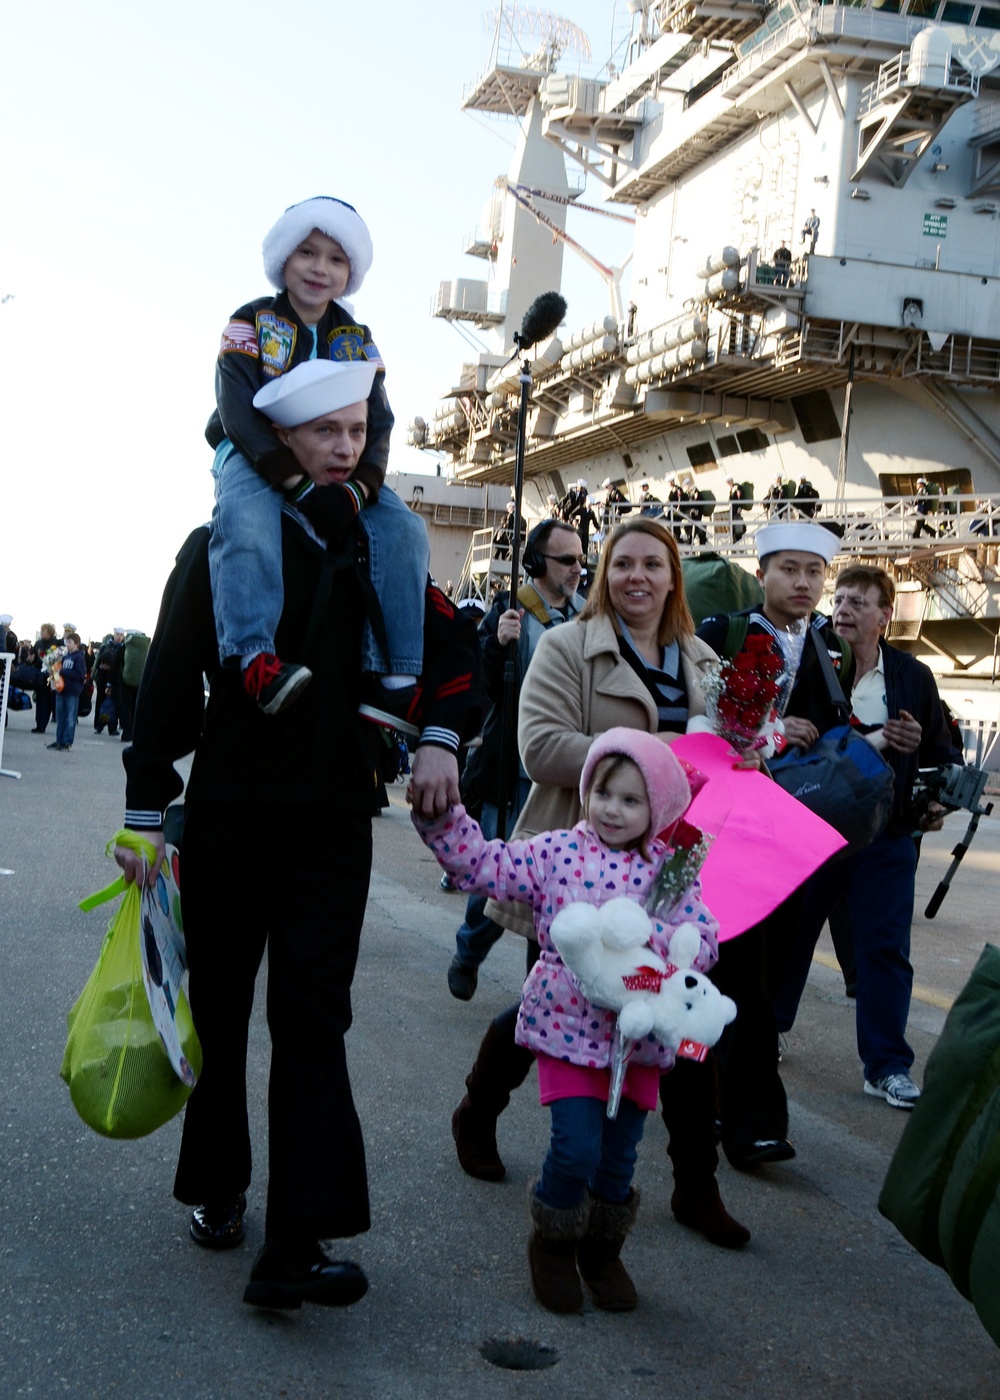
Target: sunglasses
567,559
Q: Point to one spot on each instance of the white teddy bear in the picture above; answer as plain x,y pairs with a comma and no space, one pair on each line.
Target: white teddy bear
607,950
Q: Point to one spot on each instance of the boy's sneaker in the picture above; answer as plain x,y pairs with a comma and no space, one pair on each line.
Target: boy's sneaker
898,1090
272,683
392,709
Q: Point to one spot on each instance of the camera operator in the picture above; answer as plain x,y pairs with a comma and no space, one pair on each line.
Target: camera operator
895,698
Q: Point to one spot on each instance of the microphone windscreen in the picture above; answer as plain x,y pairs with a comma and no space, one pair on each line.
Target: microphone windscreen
541,319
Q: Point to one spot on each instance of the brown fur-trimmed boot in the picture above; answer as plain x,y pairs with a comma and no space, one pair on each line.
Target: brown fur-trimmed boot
597,1255
552,1253
500,1067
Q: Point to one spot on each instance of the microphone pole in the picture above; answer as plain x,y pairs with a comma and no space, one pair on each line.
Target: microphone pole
511,680
540,320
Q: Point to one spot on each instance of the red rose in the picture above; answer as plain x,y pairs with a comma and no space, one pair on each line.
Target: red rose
767,690
756,645
684,836
745,661
753,716
770,665
728,707
743,685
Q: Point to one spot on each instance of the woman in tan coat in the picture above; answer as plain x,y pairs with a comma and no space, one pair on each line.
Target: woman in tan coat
630,659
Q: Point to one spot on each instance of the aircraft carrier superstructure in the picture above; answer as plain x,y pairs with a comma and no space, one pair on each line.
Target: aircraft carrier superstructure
863,137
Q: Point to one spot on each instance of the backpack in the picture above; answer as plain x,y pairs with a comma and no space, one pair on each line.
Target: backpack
713,584
134,658
745,489
707,499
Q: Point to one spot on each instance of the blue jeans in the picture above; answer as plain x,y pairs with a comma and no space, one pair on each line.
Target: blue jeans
67,709
399,562
877,886
477,934
589,1149
244,559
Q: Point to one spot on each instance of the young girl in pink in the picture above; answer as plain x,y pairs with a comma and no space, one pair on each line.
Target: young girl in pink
583,1204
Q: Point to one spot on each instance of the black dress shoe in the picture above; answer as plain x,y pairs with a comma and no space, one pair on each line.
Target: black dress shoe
761,1150
287,1277
219,1224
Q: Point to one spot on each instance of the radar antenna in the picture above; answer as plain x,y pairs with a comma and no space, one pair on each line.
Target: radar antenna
514,26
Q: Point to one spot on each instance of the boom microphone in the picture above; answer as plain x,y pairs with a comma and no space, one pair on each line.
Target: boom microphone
540,320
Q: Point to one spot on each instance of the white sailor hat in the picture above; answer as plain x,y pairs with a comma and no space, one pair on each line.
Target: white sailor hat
605,483
334,217
6,619
802,535
313,389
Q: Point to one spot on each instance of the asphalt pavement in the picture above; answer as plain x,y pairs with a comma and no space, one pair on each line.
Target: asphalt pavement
102,1294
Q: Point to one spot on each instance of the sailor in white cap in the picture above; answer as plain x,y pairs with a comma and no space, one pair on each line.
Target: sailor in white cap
292,797
616,503
793,561
320,412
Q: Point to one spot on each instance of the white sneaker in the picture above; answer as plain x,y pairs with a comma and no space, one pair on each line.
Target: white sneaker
898,1090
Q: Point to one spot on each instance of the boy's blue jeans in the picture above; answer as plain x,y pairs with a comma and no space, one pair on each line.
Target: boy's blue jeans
67,709
589,1149
244,557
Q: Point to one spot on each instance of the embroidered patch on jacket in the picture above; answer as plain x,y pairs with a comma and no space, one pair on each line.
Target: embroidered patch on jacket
346,343
277,341
240,337
371,353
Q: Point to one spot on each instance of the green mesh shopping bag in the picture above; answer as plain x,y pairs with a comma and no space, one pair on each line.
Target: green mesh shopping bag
120,1077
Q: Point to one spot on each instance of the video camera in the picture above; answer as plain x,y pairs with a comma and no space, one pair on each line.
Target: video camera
955,786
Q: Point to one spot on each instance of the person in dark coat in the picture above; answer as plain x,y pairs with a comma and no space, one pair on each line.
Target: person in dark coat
549,597
292,793
753,1104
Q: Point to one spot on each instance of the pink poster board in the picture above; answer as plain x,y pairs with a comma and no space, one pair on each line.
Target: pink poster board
766,844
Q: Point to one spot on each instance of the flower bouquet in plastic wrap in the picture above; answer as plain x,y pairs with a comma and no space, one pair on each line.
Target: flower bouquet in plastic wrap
744,696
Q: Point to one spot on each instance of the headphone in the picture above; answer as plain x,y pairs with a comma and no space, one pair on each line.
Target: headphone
533,561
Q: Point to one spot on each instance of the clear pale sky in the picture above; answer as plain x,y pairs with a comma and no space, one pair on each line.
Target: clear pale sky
146,150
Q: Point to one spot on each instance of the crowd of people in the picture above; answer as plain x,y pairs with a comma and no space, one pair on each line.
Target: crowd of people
697,519
67,679
542,776
632,659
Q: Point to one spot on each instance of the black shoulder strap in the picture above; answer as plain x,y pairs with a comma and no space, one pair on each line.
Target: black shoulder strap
736,635
833,687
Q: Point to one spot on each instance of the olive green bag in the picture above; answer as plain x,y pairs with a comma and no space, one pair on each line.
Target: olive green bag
942,1191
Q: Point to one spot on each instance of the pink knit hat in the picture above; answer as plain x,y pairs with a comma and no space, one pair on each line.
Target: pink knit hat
665,779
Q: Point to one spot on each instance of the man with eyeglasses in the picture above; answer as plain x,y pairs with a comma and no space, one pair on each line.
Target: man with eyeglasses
553,564
894,699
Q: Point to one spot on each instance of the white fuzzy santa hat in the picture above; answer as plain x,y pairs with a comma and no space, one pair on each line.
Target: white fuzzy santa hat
334,217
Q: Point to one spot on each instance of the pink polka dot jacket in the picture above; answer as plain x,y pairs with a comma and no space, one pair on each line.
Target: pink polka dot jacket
548,872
